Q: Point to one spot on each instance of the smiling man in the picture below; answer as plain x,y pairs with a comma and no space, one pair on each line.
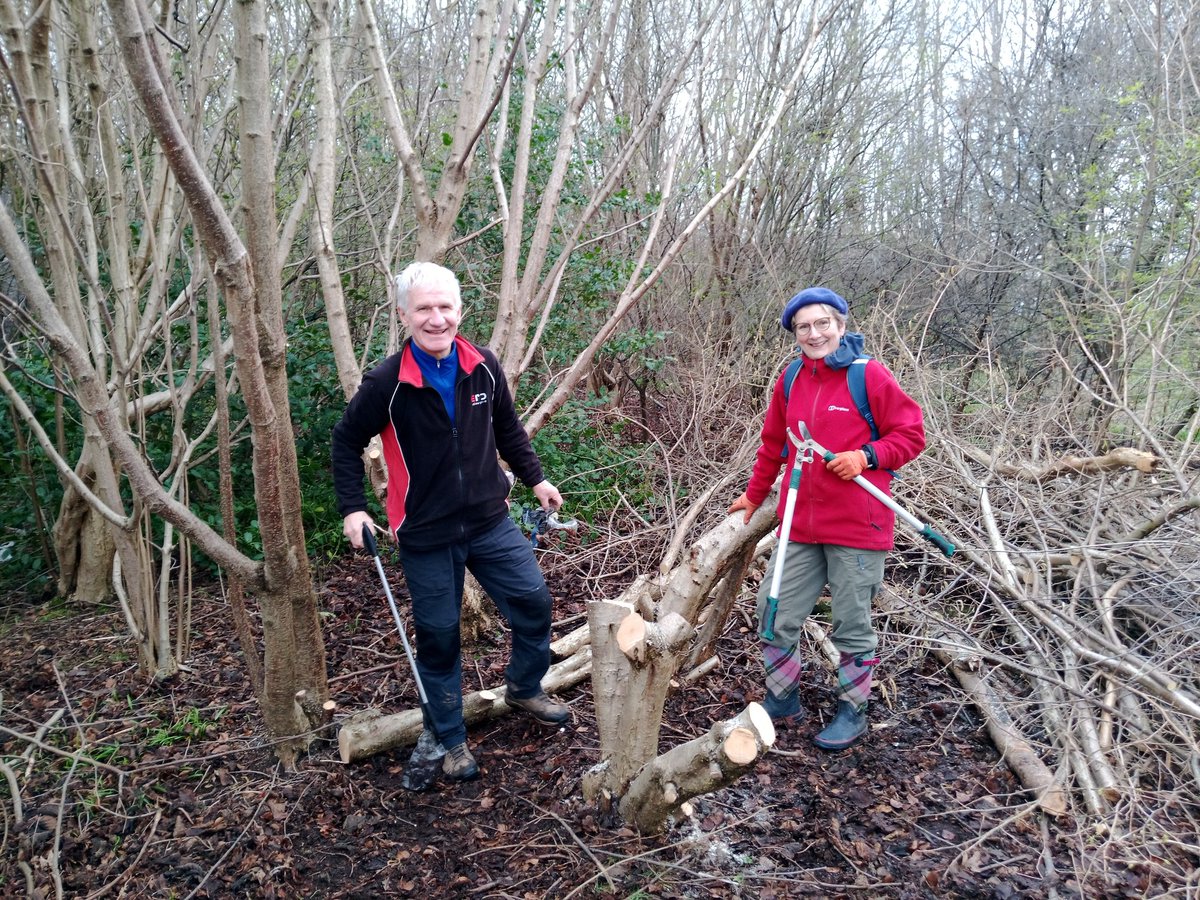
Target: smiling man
445,416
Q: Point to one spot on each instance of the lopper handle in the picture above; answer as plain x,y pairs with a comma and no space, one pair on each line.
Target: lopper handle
926,531
938,540
369,539
768,632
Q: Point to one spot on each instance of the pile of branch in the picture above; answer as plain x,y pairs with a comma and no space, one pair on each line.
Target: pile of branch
1069,617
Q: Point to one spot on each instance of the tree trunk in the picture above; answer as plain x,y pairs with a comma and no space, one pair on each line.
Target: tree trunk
294,650
248,276
82,544
633,664
322,166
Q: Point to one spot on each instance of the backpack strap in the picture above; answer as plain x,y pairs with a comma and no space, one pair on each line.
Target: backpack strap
789,376
856,378
789,379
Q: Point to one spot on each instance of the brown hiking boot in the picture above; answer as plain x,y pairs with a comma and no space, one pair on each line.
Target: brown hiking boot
459,764
542,708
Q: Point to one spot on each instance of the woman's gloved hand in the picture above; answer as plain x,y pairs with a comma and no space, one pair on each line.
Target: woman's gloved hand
743,502
848,464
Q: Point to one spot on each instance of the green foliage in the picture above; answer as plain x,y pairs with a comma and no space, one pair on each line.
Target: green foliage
317,404
192,725
29,485
110,753
640,355
598,463
57,608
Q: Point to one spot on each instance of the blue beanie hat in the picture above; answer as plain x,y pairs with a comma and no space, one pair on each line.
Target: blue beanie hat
809,296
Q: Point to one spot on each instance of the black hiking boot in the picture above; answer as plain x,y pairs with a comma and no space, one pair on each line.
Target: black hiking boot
847,727
424,764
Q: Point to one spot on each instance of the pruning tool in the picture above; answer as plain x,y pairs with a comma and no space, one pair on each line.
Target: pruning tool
804,455
924,529
425,762
541,521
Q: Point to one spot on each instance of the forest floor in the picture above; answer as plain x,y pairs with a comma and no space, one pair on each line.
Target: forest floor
189,802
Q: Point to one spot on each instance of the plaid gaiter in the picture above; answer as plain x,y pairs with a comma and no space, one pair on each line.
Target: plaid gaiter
783,668
854,679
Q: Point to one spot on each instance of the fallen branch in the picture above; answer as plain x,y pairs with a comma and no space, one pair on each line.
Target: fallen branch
369,732
14,793
1014,747
700,766
76,756
1117,458
1171,512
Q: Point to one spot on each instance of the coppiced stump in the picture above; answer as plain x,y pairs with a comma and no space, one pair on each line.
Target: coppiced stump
639,643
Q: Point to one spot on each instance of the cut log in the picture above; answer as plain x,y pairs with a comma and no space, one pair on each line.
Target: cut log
1014,747
639,639
700,766
369,733
570,642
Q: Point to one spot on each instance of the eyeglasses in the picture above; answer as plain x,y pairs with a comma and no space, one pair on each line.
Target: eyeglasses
821,325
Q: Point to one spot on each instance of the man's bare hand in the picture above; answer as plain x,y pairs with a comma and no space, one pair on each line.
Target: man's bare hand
352,527
548,496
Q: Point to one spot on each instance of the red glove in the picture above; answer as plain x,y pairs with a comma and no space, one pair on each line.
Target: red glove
848,464
743,502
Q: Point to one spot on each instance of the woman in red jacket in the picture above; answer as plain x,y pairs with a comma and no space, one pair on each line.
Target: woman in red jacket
839,534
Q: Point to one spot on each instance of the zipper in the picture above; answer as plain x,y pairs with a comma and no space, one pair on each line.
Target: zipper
458,460
462,487
812,410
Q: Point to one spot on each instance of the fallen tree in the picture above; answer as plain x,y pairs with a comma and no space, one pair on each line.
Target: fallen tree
664,784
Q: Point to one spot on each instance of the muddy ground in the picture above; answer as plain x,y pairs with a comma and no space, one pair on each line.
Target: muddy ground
190,802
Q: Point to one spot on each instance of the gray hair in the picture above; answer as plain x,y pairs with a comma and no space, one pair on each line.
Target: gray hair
424,273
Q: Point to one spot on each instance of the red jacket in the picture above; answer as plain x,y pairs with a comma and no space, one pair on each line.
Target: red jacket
828,509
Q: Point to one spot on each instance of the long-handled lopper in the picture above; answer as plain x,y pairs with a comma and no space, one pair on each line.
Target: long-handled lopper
789,508
924,529
426,760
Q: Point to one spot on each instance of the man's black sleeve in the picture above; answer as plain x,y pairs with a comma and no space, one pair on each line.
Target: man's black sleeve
366,416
